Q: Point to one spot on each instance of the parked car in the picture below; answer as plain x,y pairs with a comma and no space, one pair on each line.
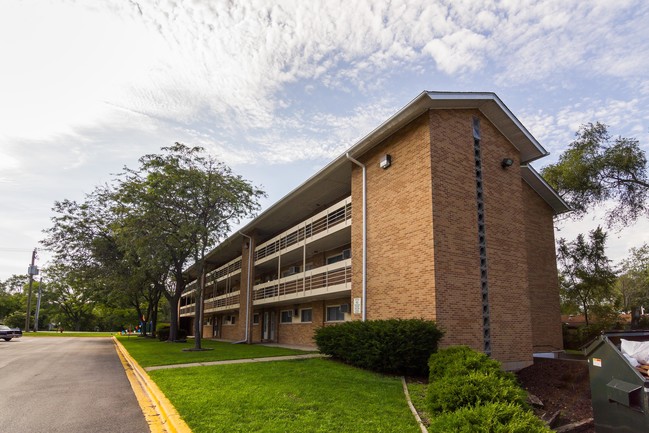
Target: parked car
7,333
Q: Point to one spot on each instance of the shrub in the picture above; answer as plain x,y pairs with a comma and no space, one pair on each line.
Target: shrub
163,334
489,418
460,360
387,346
454,392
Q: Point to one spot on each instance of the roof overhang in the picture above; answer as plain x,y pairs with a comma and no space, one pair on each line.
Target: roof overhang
488,103
334,180
538,184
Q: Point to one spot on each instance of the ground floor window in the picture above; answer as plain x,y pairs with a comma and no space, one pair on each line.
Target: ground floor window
286,316
255,319
306,315
335,314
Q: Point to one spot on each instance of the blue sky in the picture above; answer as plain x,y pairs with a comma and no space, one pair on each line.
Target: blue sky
278,90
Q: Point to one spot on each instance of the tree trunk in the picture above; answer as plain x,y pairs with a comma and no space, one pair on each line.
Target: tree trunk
636,312
198,322
585,305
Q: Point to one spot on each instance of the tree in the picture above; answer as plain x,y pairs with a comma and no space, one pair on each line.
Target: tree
633,283
175,208
586,275
596,169
84,241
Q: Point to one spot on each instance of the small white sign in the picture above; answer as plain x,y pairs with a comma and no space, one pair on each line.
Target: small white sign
597,362
357,305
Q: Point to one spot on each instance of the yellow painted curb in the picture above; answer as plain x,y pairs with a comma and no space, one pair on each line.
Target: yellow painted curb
160,414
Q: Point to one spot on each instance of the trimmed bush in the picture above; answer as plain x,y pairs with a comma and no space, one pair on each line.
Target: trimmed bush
387,346
460,360
489,418
163,334
473,389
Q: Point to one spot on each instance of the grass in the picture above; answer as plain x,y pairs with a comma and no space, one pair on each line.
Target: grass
417,393
149,352
312,395
68,334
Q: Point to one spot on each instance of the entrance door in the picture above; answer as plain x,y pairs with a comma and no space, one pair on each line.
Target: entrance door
268,326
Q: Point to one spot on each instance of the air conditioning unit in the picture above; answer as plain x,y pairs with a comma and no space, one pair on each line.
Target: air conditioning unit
344,308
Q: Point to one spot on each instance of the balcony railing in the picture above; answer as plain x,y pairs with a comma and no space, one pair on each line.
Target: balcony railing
322,222
223,302
224,271
188,309
334,277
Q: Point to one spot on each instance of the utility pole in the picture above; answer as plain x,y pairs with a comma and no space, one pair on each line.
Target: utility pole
32,270
38,304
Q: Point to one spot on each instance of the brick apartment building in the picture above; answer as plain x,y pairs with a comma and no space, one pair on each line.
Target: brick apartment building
436,214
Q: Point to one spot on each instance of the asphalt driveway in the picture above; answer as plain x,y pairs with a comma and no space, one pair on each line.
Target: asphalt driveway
65,384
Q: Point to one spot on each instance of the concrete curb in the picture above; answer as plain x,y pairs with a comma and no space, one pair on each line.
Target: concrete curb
169,418
422,427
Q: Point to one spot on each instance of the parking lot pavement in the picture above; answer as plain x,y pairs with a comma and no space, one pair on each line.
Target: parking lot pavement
65,384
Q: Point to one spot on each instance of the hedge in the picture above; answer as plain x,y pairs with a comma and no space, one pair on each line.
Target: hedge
393,346
163,334
489,418
458,360
473,389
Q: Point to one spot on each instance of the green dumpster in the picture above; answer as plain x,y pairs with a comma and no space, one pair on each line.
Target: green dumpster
620,392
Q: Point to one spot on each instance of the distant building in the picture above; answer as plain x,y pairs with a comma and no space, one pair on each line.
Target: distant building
458,229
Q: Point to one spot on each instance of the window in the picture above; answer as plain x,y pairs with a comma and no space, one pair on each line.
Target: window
335,314
255,319
292,270
286,317
343,255
306,315
230,320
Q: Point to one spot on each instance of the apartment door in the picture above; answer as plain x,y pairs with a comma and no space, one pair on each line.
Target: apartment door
268,326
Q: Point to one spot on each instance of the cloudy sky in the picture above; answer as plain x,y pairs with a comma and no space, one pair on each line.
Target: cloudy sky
278,90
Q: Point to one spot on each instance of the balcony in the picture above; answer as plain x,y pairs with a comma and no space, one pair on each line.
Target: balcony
323,282
188,310
229,301
330,220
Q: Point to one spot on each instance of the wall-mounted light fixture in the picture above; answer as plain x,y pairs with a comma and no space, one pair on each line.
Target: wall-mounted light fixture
386,161
507,162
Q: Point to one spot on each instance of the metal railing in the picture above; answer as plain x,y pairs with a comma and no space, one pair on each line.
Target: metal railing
327,277
325,220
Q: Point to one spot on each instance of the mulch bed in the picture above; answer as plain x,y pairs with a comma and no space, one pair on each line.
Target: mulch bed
561,385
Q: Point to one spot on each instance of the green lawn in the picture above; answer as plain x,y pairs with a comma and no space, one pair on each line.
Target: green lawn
149,352
311,395
68,334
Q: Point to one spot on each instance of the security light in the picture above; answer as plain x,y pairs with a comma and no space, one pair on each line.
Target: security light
507,162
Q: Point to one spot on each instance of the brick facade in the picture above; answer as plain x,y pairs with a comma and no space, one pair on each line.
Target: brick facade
423,248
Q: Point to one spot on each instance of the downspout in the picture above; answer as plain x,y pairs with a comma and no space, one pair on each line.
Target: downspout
248,294
364,296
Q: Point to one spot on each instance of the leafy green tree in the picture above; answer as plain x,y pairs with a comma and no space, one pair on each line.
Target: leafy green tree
596,169
84,241
175,208
633,282
586,275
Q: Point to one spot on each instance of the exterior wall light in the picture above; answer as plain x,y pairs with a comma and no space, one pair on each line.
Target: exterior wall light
386,161
507,162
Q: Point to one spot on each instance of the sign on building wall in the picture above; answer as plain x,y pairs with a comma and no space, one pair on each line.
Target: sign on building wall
357,305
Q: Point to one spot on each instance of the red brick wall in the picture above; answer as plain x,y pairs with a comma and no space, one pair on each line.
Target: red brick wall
542,272
399,231
457,259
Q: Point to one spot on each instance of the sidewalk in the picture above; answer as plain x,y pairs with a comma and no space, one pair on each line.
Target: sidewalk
236,361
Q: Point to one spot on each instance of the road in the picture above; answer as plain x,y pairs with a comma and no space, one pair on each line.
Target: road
65,384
